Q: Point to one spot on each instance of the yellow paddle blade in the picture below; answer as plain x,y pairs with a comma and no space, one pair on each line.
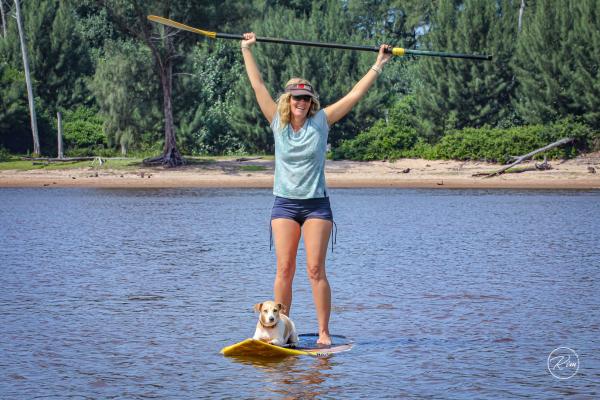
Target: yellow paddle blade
179,25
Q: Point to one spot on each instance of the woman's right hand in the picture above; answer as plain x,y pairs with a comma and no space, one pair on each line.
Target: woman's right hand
249,39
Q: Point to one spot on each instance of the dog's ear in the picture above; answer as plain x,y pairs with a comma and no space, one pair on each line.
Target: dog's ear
282,308
257,307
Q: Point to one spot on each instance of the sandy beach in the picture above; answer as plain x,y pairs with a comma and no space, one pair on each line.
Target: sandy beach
258,173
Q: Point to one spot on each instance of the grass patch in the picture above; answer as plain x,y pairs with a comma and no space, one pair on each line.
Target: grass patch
27,165
14,163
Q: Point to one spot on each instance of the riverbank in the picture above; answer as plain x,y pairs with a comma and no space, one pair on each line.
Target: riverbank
258,173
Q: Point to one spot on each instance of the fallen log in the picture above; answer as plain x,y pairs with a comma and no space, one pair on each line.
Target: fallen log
242,159
524,157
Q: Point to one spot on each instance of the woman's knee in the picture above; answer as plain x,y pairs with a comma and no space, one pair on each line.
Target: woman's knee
286,269
316,272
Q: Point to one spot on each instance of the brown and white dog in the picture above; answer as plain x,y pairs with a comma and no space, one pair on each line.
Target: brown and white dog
273,326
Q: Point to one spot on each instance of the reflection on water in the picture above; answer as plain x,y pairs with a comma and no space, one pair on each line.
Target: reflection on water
447,294
295,377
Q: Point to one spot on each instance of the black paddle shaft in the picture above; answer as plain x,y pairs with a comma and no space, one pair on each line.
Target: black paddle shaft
355,47
301,42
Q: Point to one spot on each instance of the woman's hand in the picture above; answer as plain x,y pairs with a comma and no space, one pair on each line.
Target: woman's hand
383,57
249,40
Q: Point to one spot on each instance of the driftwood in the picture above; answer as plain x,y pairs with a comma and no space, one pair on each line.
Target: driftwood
241,159
527,156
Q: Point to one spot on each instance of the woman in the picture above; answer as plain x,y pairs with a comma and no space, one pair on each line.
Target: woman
301,204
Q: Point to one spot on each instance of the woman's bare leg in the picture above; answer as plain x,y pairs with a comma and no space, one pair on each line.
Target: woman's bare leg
286,233
316,238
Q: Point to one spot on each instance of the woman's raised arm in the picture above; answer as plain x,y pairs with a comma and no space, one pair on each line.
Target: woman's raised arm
340,108
265,101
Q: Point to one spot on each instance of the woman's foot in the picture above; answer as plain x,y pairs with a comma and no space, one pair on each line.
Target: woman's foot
324,339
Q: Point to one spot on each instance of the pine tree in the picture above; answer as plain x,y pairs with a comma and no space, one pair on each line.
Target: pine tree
15,134
584,40
125,91
544,62
460,93
60,62
130,18
206,99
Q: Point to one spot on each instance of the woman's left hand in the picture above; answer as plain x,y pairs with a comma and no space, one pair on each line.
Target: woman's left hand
383,57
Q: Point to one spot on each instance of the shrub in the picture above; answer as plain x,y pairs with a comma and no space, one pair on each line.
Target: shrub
83,129
381,142
392,141
494,144
385,140
4,155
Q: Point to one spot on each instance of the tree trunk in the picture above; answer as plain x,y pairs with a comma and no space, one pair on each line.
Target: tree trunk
521,10
60,134
171,156
3,18
34,130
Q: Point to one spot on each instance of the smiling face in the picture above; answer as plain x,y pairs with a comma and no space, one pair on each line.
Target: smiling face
300,106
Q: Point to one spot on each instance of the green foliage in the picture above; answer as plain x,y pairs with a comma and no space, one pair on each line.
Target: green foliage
15,134
4,155
83,128
556,62
585,39
453,94
493,144
59,59
390,139
104,55
127,94
381,142
397,139
205,127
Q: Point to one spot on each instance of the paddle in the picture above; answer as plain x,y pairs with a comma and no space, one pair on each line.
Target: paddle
397,51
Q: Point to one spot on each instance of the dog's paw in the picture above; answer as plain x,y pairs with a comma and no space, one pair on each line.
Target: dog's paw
276,342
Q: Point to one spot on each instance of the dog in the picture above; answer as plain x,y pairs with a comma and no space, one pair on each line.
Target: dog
273,326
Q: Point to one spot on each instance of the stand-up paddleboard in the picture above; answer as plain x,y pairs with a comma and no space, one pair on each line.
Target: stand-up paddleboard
307,346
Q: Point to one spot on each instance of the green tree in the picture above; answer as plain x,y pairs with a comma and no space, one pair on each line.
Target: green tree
125,88
166,45
14,113
556,62
206,99
459,93
59,60
585,42
543,62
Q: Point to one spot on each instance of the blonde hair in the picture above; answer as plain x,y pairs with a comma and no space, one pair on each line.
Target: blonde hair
283,103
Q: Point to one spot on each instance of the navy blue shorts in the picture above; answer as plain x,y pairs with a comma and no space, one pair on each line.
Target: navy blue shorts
302,209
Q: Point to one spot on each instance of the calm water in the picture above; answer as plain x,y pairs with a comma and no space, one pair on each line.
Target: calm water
447,294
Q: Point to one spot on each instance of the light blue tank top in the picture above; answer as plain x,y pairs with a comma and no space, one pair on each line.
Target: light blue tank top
300,158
